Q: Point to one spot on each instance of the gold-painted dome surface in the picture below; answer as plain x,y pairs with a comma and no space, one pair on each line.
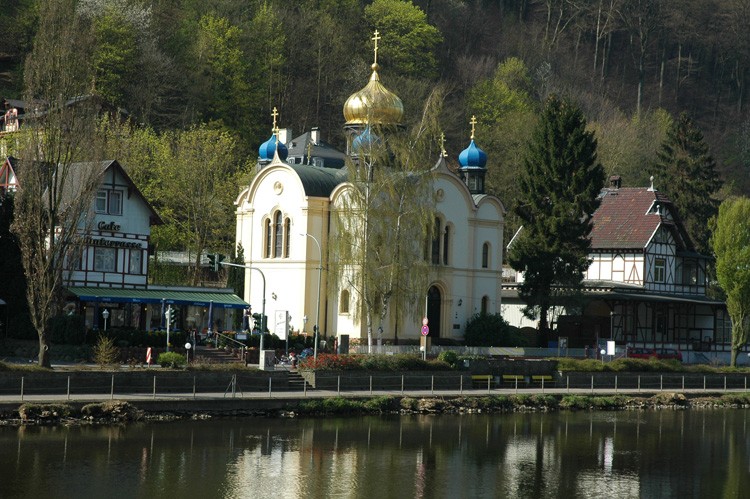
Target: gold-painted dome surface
374,105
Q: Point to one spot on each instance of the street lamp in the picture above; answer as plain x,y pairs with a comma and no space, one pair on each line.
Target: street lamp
316,327
105,314
188,346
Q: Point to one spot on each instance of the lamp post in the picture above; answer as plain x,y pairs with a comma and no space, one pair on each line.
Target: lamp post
316,327
187,351
263,312
105,314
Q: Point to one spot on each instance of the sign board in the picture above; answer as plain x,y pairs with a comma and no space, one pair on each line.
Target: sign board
425,330
281,323
610,347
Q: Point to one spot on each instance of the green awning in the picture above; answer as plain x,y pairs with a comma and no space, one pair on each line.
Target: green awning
221,299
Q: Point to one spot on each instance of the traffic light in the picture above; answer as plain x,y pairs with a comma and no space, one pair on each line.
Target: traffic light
170,314
214,260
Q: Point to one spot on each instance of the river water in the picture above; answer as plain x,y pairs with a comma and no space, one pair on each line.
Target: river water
694,453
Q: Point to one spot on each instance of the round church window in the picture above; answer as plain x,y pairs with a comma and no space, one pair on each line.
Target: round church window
278,188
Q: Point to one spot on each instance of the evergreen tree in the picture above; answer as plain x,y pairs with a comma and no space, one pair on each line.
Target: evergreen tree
690,179
559,193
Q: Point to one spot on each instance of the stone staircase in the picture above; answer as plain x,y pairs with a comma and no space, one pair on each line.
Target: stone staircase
297,382
210,355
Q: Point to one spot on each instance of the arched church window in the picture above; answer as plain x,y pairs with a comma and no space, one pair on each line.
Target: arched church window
278,235
287,230
436,243
485,304
486,255
344,302
269,238
446,244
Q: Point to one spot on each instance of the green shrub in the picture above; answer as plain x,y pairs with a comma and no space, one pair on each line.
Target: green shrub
381,404
171,360
450,357
491,330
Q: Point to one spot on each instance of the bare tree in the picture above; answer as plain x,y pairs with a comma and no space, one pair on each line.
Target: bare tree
385,220
55,193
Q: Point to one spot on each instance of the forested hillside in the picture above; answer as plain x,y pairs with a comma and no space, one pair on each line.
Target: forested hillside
631,65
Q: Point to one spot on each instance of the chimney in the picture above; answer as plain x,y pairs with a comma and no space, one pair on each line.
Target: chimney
285,135
315,135
615,181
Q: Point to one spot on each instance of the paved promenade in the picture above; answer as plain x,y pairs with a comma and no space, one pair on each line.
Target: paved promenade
319,394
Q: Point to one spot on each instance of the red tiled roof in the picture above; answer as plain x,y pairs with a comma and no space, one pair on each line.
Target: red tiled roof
623,220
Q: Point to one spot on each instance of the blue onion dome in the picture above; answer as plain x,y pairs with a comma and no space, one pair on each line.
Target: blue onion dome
268,148
365,141
472,157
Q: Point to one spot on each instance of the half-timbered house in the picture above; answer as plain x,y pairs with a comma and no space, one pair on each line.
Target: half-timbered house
646,284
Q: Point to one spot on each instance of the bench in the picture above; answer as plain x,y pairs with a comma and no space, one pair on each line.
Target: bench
543,379
514,379
481,380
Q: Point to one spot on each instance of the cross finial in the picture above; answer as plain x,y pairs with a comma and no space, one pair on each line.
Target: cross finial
275,114
276,133
443,153
375,39
473,122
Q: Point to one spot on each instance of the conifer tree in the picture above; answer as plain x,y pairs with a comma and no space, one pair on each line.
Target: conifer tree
689,179
559,194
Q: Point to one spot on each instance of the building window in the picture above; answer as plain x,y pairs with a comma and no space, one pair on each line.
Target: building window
344,302
689,273
269,238
287,243
660,270
436,243
134,266
104,259
446,244
278,235
109,202
485,304
486,255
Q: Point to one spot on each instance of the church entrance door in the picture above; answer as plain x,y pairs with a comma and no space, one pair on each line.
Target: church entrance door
434,301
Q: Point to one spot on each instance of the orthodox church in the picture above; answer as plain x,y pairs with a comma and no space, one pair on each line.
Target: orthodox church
285,226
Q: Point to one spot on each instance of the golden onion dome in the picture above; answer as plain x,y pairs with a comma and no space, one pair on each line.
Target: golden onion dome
374,104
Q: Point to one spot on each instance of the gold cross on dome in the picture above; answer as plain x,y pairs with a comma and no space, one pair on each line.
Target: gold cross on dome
375,39
275,114
473,122
443,152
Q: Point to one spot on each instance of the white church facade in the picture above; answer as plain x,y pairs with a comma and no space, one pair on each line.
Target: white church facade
285,226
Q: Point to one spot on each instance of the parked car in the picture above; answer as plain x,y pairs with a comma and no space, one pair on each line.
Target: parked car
641,353
668,353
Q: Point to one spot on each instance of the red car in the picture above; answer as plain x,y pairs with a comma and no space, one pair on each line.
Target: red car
641,353
668,353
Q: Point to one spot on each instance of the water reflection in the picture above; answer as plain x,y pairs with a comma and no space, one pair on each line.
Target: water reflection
617,454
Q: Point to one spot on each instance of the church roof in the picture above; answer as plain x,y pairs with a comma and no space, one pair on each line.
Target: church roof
628,217
317,181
